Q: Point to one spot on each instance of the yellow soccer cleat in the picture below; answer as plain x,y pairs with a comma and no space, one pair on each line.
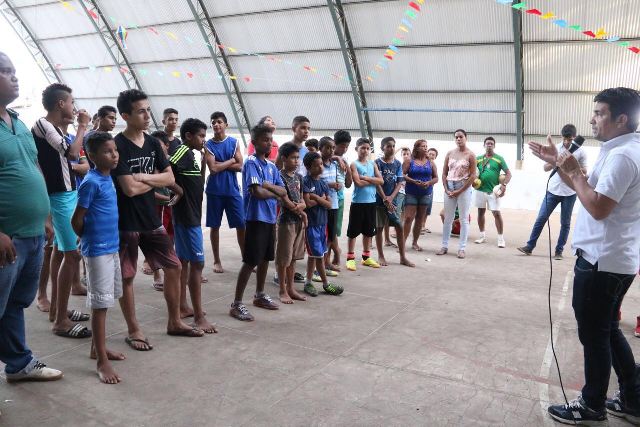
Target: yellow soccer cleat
370,262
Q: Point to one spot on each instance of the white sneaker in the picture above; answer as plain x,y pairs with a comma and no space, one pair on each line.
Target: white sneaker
501,242
482,239
40,372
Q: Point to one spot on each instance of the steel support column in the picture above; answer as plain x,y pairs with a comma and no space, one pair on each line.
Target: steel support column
119,57
351,65
519,83
223,65
30,41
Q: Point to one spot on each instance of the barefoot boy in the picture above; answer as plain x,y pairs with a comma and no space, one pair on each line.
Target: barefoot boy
95,220
291,224
388,209
187,216
262,189
362,215
316,197
224,160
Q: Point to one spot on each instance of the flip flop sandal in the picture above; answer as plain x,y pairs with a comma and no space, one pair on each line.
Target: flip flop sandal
76,331
158,287
130,342
77,316
193,332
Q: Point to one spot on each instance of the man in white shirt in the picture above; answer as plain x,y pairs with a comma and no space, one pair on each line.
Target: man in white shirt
607,242
557,193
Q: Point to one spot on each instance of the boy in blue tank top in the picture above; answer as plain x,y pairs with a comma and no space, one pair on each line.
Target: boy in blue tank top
224,160
362,215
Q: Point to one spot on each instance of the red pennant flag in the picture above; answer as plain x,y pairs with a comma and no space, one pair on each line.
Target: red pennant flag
414,5
389,57
221,46
154,31
589,33
247,79
306,67
93,15
534,12
124,70
190,75
634,49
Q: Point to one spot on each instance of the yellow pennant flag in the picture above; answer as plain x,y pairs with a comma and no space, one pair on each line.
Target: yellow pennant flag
107,69
548,15
601,33
175,73
172,35
403,28
231,49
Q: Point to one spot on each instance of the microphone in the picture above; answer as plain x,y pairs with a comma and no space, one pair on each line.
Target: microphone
575,144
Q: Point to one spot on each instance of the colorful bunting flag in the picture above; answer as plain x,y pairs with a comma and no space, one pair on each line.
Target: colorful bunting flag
534,12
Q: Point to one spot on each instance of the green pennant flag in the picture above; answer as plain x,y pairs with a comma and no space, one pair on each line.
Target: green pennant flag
519,6
575,27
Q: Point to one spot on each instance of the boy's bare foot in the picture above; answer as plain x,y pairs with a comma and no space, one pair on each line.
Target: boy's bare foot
285,298
217,267
44,305
404,261
390,243
295,295
106,374
382,261
79,290
111,355
186,312
416,247
205,326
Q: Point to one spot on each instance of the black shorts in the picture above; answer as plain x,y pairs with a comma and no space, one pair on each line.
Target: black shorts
362,220
259,242
332,221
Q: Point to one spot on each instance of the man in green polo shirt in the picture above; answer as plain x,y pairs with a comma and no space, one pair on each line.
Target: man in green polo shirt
24,209
490,165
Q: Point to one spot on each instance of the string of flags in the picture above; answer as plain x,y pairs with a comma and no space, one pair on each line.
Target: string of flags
398,40
122,32
599,34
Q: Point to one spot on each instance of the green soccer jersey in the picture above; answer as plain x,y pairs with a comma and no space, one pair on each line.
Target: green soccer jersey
489,171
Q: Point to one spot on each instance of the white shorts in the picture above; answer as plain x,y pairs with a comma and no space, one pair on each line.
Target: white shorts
482,200
104,280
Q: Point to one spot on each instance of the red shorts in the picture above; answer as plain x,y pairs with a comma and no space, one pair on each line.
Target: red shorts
156,246
165,214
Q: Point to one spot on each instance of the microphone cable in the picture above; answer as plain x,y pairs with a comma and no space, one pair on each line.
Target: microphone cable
553,350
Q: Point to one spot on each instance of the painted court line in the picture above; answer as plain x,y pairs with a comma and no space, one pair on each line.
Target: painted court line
545,368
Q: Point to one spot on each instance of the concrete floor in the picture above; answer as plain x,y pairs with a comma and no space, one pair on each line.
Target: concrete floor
451,342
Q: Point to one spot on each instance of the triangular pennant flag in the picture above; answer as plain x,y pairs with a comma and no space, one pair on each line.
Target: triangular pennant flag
411,14
589,33
142,72
576,27
561,23
534,12
613,39
393,48
190,75
414,6
420,1
107,69
548,15
172,35
154,31
390,58
519,6
504,1
600,33
406,23
231,49
175,73
634,49
93,15
401,28
397,41
625,44
247,79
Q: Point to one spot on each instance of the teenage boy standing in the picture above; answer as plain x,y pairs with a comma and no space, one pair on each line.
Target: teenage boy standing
141,168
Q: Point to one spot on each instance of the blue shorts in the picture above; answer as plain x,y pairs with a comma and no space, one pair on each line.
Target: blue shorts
232,205
316,240
62,206
189,242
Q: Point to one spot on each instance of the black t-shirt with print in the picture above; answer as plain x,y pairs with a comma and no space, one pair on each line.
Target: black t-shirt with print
138,213
188,210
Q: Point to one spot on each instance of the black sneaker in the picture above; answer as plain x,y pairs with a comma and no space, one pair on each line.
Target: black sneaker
525,250
298,278
558,256
615,406
577,413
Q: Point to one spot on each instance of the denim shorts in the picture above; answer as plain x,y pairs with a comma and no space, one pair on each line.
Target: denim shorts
412,200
